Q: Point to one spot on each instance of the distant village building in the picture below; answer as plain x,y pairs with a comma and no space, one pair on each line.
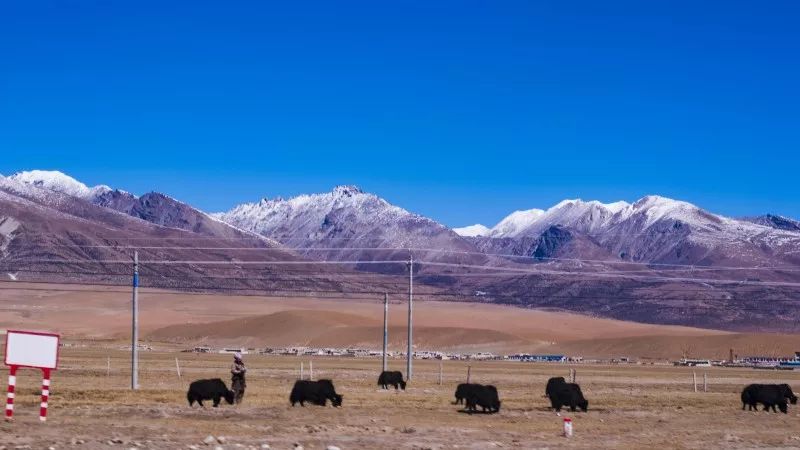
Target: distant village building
526,357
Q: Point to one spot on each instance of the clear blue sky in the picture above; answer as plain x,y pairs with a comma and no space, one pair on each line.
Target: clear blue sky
462,111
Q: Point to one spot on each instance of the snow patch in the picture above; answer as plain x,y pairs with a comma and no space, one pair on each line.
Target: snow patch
515,222
59,182
8,225
473,230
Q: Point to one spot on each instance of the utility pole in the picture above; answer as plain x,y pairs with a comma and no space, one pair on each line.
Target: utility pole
135,325
410,351
385,327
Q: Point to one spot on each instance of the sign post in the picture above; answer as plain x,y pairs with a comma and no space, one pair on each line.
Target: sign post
34,350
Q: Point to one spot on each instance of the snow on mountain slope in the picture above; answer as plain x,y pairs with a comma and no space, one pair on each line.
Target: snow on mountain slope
658,229
473,230
152,207
515,222
59,182
8,225
349,219
581,215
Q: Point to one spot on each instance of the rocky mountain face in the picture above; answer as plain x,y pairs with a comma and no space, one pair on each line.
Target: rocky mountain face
152,207
777,222
349,224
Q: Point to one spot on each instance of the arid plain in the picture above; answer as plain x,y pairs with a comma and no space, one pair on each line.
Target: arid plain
630,406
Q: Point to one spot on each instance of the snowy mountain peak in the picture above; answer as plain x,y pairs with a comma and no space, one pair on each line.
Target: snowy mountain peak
578,203
515,222
568,202
342,218
617,206
347,190
473,230
59,182
656,207
649,201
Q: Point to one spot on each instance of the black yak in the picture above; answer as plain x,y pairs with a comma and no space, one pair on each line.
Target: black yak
391,378
567,394
462,391
769,395
213,389
316,392
552,383
484,396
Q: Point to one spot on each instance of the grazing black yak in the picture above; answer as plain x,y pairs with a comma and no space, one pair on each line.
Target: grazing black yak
567,394
769,395
316,392
484,396
391,378
462,391
213,389
552,383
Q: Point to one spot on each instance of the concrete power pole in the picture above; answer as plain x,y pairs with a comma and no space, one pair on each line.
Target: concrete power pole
410,351
135,325
385,328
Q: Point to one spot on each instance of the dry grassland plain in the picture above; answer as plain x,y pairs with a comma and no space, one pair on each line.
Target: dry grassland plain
630,406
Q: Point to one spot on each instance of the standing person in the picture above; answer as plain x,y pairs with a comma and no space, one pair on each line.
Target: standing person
238,384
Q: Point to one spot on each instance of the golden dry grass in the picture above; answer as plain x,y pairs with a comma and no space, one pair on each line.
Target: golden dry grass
632,406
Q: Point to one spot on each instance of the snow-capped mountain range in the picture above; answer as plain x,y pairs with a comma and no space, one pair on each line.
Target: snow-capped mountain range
347,224
584,215
652,229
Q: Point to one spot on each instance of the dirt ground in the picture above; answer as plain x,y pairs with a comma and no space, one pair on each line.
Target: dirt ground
630,406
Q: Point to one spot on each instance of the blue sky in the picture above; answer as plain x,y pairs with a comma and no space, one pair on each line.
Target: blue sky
461,111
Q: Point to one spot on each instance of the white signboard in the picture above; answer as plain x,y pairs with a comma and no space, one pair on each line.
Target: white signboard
32,349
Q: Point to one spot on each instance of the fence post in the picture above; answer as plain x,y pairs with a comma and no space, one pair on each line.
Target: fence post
440,372
705,382
469,370
694,380
301,370
108,367
311,370
178,367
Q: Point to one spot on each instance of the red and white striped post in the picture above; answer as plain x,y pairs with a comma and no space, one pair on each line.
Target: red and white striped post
12,385
34,350
45,394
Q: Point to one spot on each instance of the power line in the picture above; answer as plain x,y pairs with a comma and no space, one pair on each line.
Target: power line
433,250
429,263
612,275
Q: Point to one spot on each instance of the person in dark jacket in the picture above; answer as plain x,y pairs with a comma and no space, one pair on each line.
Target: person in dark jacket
238,383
